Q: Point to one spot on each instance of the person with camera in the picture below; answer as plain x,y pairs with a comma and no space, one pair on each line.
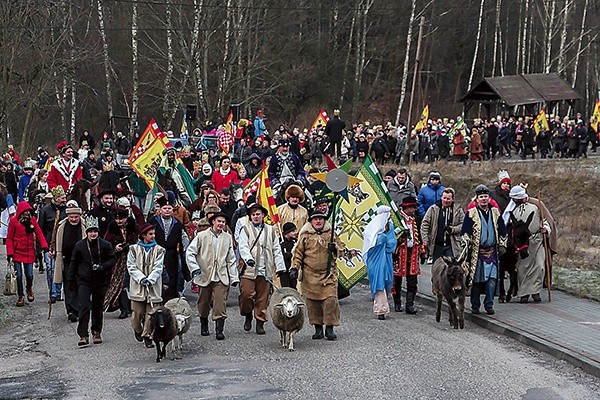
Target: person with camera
261,257
91,263
121,233
441,226
408,254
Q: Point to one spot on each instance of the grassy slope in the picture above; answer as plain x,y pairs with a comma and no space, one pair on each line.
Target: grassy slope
571,191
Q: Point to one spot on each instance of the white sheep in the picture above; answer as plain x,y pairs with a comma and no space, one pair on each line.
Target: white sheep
287,312
183,317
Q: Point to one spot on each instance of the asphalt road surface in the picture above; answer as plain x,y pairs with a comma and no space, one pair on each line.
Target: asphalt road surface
401,357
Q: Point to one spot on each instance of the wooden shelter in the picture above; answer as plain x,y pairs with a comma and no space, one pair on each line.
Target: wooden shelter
507,93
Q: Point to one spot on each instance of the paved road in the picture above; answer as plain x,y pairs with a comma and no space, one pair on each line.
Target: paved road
404,356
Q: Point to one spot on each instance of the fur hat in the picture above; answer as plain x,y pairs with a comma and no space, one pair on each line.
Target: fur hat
210,209
294,191
73,208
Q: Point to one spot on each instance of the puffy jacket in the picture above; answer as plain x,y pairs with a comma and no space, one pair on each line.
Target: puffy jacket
428,196
20,242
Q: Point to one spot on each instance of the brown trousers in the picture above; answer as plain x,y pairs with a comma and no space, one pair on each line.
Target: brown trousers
324,312
216,294
141,316
254,295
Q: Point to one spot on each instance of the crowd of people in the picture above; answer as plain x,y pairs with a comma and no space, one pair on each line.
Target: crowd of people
110,246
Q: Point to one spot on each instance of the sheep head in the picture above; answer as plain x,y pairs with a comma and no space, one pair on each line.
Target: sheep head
180,320
159,315
289,307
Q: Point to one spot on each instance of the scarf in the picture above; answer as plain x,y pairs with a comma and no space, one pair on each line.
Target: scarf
147,246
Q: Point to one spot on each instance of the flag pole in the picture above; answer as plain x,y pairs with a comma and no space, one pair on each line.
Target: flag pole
546,248
330,256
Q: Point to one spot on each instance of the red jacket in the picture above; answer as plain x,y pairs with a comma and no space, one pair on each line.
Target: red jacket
20,244
64,174
223,181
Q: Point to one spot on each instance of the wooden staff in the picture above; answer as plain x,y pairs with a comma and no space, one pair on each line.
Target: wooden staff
546,247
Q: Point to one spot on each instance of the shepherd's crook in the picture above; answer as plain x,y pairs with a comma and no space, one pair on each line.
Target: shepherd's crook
546,248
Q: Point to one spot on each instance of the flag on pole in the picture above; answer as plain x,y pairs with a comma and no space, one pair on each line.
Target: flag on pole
541,122
229,125
322,119
422,123
146,155
225,140
264,197
595,117
352,217
184,132
252,186
459,125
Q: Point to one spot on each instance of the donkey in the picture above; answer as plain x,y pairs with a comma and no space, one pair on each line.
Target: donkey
520,234
448,279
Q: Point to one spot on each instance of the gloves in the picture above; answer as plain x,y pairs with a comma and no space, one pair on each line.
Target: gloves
234,284
501,250
195,273
9,258
251,263
449,230
279,273
293,273
145,282
332,248
423,258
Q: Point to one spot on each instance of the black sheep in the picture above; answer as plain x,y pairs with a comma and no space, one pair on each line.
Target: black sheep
164,328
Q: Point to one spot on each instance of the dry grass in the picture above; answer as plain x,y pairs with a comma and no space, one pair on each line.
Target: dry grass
570,189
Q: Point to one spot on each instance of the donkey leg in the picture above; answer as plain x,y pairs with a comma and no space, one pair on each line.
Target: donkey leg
461,311
438,309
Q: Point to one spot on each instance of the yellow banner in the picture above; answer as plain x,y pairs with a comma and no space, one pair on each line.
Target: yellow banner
422,124
541,122
148,152
595,117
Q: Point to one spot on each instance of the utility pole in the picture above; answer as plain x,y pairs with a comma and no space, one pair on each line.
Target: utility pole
413,88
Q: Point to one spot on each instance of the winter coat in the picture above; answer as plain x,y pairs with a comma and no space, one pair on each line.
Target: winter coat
48,218
429,228
202,255
458,140
501,197
123,146
298,216
400,192
334,129
310,259
251,169
266,252
145,264
221,181
82,263
428,196
476,143
56,246
362,148
20,241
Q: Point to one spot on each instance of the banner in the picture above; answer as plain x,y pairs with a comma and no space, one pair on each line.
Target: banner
264,197
541,122
147,153
422,124
352,217
459,125
322,119
595,117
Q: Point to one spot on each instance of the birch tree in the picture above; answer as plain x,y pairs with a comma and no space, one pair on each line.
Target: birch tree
105,59
479,25
134,63
409,34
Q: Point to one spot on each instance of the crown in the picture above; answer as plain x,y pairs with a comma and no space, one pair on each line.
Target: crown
58,191
90,222
503,174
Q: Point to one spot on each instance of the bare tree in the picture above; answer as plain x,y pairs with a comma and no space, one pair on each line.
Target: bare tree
134,62
479,25
105,59
411,21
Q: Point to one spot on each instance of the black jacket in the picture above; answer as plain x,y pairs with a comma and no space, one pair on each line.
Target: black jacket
82,261
334,129
48,219
104,216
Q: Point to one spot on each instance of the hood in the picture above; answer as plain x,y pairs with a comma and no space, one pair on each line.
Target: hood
22,207
254,155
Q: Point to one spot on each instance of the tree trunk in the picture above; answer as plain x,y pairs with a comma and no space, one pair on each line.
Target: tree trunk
347,61
580,43
549,35
563,38
197,55
523,36
411,21
496,35
226,64
135,61
167,97
474,63
106,60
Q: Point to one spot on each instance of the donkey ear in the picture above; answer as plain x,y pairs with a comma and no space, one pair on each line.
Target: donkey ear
448,260
512,218
530,218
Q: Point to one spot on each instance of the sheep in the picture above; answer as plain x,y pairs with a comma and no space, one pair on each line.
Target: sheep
287,312
183,316
163,328
448,281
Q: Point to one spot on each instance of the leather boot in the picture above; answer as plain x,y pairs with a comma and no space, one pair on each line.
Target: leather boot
398,305
20,301
410,303
204,326
124,305
219,324
248,323
329,334
260,327
318,332
30,296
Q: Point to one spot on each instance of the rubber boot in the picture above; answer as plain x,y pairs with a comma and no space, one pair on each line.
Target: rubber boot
329,334
318,332
219,324
248,323
410,303
204,326
260,327
398,305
